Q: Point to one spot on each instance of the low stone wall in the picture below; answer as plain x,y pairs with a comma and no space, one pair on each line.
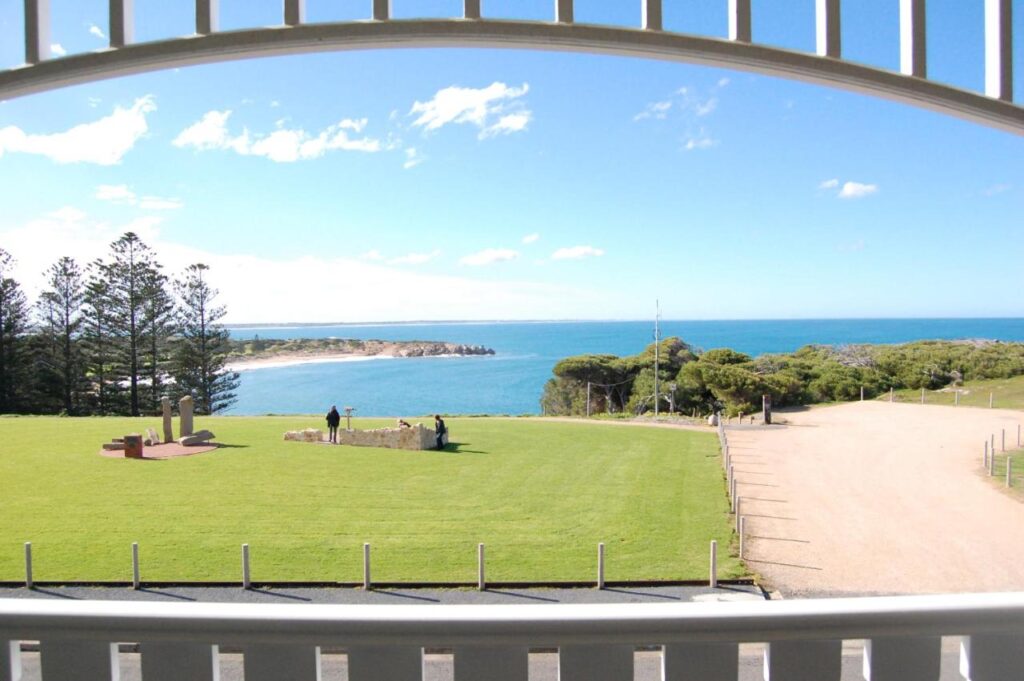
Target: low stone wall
415,438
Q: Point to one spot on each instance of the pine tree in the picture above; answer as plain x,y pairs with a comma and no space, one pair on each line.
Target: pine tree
99,346
59,310
158,326
198,365
14,325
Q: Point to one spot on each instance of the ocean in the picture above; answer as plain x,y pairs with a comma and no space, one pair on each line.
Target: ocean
511,381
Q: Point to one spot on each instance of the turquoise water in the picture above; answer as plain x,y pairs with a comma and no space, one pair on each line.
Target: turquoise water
511,381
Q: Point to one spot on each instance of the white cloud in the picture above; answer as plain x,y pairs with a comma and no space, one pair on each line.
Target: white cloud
699,141
531,238
495,109
489,256
577,253
103,142
829,184
412,158
58,50
857,190
414,258
283,145
656,110
705,107
97,31
159,203
722,82
372,255
115,193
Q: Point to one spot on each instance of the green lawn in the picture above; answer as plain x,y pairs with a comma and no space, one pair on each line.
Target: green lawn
998,478
1007,393
541,495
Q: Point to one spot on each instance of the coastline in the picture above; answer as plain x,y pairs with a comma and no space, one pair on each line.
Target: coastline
287,360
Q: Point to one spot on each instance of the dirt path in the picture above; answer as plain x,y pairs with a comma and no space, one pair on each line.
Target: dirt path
872,497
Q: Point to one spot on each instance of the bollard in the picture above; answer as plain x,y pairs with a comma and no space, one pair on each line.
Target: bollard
732,495
892,396
1009,471
922,395
992,462
480,583
862,393
742,532
366,566
713,577
246,582
739,506
600,565
956,399
28,565
991,399
1003,447
135,566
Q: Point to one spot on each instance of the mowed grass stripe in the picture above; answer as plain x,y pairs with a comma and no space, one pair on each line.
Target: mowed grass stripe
540,494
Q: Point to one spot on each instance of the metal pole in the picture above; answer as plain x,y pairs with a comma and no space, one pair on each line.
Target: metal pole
739,507
1009,471
862,393
366,566
922,395
28,565
713,577
135,566
480,582
600,565
246,582
742,532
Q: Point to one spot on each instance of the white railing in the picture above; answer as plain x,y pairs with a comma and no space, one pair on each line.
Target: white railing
78,640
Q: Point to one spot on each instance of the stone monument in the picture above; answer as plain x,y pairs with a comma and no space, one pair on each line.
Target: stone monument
165,405
185,416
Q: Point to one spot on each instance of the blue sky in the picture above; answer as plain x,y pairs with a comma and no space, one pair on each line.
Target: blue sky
498,184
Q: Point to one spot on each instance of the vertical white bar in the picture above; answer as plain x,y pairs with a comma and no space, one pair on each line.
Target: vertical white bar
999,49
381,12
739,507
600,565
956,399
650,15
294,12
37,31
913,52
10,660
739,21
504,663
246,582
471,9
122,22
713,570
1002,447
563,11
743,531
991,657
274,662
71,660
28,565
829,35
902,659
597,662
481,583
207,15
136,583
1009,471
991,400
862,393
892,395
175,661
700,662
803,660
366,566
922,395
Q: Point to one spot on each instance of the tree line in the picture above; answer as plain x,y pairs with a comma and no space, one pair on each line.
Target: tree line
729,381
112,338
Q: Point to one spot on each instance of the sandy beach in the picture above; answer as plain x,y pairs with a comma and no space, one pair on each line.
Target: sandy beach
287,360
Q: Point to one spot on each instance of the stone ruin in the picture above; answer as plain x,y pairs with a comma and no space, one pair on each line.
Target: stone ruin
133,447
415,438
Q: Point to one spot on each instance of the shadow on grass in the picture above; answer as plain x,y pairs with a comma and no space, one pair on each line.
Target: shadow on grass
459,448
55,594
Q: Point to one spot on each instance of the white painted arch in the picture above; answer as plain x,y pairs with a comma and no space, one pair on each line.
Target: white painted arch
996,109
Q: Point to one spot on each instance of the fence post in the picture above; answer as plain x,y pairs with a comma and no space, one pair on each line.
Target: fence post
993,447
991,400
246,582
28,566
742,532
481,583
862,393
1009,471
366,566
1003,447
956,398
892,396
732,494
739,511
713,577
135,566
600,565
984,459
992,462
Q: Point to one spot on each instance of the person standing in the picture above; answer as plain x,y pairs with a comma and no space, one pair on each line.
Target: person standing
333,421
439,429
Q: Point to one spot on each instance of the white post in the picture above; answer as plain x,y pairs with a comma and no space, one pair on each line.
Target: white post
913,55
600,565
999,49
650,15
985,458
742,532
563,11
246,582
366,566
135,566
739,21
207,15
862,393
827,24
1003,448
713,577
480,582
1009,471
739,511
28,565
122,22
37,31
922,395
891,395
956,398
991,399
732,494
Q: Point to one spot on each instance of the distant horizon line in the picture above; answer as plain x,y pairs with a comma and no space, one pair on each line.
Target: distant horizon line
424,322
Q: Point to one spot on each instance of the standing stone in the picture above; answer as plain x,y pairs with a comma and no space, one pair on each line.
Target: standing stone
165,405
185,416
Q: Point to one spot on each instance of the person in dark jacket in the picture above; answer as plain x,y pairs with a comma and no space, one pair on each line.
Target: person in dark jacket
440,430
333,421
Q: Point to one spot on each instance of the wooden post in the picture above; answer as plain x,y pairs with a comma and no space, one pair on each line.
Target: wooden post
713,577
136,583
246,582
600,565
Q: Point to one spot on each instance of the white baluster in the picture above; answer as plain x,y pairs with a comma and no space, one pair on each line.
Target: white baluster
294,12
992,657
385,663
71,660
122,22
276,662
913,52
650,12
207,15
174,661
563,11
595,663
471,9
507,663
700,662
37,31
739,30
803,661
10,661
902,658
381,10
